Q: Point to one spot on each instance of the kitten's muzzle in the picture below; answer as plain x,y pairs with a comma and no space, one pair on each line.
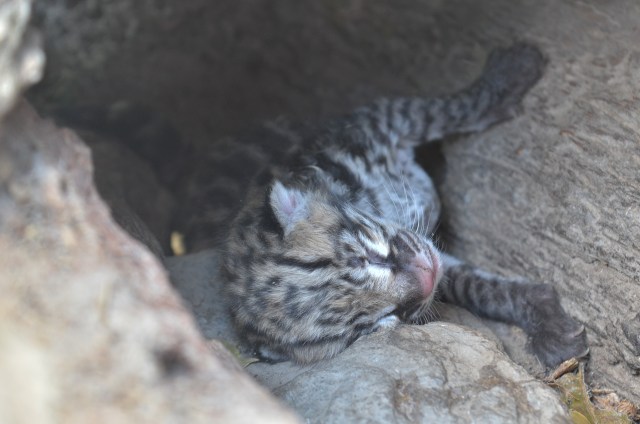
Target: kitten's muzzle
427,268
419,258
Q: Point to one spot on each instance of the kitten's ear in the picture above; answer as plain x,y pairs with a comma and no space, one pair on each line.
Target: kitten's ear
289,205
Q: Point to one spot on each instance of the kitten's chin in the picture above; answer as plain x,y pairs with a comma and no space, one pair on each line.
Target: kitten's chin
414,310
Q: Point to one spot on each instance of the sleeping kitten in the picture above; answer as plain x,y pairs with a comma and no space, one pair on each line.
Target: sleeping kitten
333,241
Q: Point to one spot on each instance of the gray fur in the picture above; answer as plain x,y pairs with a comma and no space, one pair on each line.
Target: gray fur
333,239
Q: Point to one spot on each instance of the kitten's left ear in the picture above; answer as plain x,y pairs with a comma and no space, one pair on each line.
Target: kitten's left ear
289,205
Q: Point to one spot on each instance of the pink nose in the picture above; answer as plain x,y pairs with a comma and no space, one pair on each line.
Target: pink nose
426,267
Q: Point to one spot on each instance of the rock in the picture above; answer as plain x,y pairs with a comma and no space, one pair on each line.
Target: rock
553,194
196,277
21,58
91,328
27,391
512,340
138,202
438,372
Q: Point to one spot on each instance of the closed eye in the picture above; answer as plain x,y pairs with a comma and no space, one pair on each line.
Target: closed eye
372,258
357,262
376,259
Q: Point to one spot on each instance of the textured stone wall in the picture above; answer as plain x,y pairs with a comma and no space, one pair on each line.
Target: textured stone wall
90,327
553,195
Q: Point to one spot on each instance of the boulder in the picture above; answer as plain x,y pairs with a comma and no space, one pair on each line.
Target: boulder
138,202
438,372
92,331
21,56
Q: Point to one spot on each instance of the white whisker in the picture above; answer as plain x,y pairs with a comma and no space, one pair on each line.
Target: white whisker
393,203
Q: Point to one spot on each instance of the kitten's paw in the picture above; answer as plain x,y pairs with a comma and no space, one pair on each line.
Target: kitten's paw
509,73
556,337
388,321
553,344
382,318
265,354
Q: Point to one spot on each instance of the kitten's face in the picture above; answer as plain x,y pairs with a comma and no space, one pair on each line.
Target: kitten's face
370,255
332,274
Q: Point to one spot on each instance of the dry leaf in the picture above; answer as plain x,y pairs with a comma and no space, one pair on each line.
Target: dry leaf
177,243
243,360
576,396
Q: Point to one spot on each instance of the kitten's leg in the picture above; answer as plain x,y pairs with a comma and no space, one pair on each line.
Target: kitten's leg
508,74
554,335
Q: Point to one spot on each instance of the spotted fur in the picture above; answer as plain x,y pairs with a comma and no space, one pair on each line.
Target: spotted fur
332,240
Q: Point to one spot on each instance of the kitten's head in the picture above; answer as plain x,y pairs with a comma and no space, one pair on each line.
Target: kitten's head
324,273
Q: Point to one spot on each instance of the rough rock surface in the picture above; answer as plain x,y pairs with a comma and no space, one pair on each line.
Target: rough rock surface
91,328
21,58
552,195
196,278
138,202
438,372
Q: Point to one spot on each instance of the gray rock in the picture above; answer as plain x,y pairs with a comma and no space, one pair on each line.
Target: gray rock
21,56
513,340
91,330
196,277
138,202
439,372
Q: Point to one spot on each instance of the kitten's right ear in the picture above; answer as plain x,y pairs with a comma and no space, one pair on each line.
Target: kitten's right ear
289,205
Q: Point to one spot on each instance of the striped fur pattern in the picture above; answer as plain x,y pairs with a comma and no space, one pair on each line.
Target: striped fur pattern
553,335
333,239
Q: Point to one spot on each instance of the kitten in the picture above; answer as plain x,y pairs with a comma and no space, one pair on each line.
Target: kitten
333,242
332,239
